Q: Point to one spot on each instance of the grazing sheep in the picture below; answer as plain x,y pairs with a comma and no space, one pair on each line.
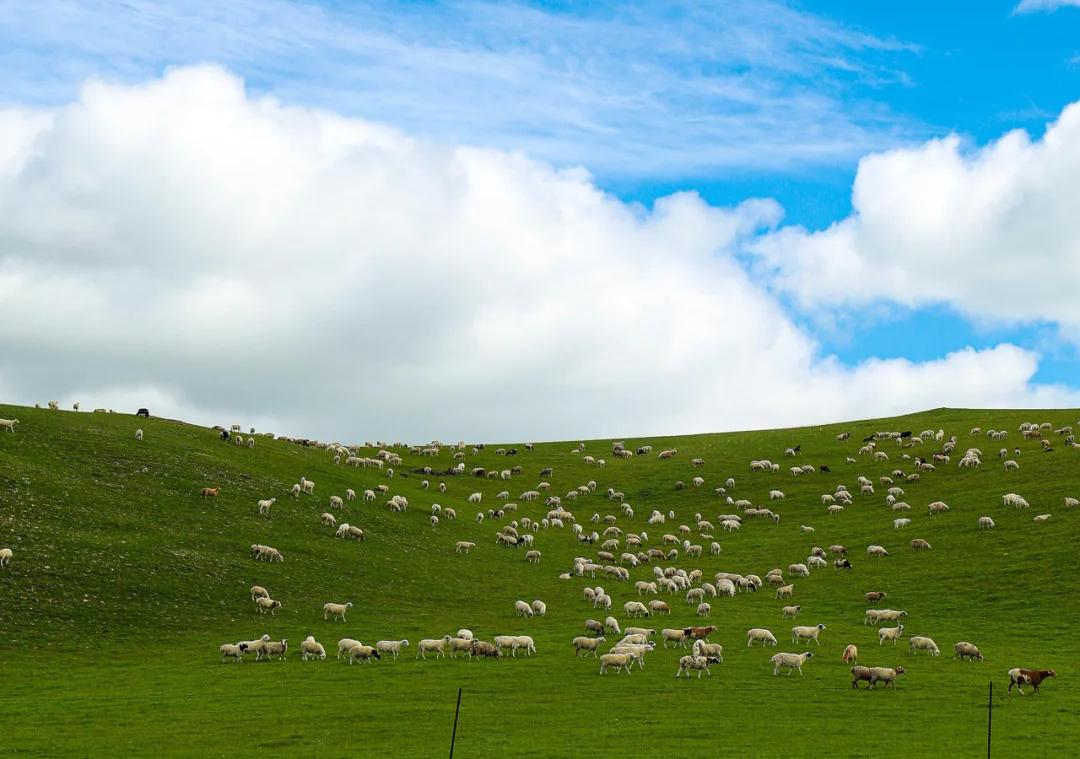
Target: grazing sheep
337,610
267,605
522,608
210,492
345,645
876,551
918,544
276,648
963,650
328,519
539,608
986,523
363,653
5,556
790,661
759,634
258,591
704,610
850,655
889,633
311,649
921,643
138,434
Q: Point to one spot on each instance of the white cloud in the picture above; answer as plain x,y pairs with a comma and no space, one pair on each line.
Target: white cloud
1035,6
993,232
182,245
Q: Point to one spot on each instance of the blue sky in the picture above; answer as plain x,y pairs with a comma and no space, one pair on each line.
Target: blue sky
731,100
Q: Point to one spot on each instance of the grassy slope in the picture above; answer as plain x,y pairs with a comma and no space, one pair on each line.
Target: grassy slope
125,581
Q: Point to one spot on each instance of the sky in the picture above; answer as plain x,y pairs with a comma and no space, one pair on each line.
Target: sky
503,221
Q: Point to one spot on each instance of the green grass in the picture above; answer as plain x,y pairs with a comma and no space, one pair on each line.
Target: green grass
125,581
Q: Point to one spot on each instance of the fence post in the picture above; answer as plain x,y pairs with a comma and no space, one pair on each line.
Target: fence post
453,735
989,718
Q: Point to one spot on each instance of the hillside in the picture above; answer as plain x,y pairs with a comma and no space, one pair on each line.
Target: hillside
125,581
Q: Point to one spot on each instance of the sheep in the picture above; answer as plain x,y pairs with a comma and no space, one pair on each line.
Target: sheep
874,616
876,551
295,491
328,519
311,649
363,653
539,608
850,655
889,633
438,646
713,651
921,643
587,644
1041,518
790,612
1019,676
232,651
785,591
258,646
918,544
806,528
874,595
899,523
337,610
276,648
806,633
618,661
265,504
859,674
138,434
8,424
759,634
790,661
211,492
986,523
659,607
345,645
964,649
369,495
699,663
464,546
523,609
258,591
524,642
677,637
937,507
704,610
885,675
5,557
267,605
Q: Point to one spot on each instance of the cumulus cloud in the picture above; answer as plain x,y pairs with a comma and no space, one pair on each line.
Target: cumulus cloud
993,232
1035,6
219,257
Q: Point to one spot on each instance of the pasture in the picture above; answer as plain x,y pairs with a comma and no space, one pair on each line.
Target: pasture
124,581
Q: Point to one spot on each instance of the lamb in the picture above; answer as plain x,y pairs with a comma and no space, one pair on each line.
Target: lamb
8,424
969,650
464,546
790,612
5,557
618,661
328,519
759,634
921,643
785,591
889,633
986,523
806,633
918,544
583,643
876,551
311,649
539,608
267,605
885,675
363,653
699,663
1019,676
483,648
265,504
635,609
704,610
337,610
790,661
138,434
211,492
522,608
850,655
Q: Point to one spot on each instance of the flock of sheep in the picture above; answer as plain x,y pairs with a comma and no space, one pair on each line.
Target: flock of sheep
613,552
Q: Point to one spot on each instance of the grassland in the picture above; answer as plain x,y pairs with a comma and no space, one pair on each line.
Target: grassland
125,581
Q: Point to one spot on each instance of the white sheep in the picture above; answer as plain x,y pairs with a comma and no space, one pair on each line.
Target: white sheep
232,651
311,649
8,424
437,646
5,556
267,605
986,523
806,633
790,661
759,634
587,644
522,608
336,610
921,643
138,434
539,608
618,661
265,504
699,663
889,633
